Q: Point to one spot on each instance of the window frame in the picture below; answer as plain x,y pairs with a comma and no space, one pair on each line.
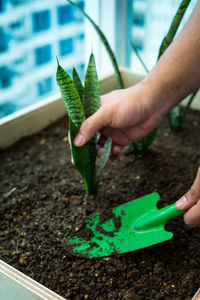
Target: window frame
114,18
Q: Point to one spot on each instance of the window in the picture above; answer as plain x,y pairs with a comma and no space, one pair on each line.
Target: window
41,20
20,61
16,25
18,2
138,44
7,108
5,77
138,19
44,86
3,41
65,14
151,22
43,55
82,36
66,46
81,4
2,5
77,14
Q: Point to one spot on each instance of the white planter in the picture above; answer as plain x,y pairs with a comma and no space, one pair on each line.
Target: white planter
197,295
14,285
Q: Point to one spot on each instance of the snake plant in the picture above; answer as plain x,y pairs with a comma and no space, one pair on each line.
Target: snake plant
81,102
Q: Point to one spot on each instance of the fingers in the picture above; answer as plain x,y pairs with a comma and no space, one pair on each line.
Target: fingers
115,151
89,127
192,216
191,201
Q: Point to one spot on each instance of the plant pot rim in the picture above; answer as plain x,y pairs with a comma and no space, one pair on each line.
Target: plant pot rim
23,286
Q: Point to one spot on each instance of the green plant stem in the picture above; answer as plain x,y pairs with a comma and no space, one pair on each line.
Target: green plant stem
139,57
174,117
174,26
186,108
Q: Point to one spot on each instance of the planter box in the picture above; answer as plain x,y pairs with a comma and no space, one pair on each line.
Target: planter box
197,295
135,271
14,285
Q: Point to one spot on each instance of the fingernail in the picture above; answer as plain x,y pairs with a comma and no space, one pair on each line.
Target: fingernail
78,139
183,200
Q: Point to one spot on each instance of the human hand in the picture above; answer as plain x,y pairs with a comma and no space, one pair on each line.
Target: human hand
191,201
126,115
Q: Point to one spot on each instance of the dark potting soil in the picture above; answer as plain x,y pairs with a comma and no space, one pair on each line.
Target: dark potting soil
43,198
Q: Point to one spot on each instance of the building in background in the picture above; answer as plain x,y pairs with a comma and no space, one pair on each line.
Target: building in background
32,34
150,23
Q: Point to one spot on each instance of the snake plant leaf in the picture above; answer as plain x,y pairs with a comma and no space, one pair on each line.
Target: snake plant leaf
81,159
91,99
104,158
174,117
144,143
186,108
78,83
139,57
105,43
174,26
70,96
91,103
76,115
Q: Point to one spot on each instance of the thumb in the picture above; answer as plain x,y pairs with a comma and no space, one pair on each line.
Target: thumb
192,196
191,201
89,127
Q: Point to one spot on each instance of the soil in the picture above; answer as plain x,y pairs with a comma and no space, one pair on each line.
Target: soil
43,198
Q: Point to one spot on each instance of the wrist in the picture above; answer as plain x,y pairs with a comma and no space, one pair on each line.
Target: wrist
152,98
161,98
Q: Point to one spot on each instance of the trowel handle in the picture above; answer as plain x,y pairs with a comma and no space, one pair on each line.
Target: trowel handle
169,212
163,215
156,218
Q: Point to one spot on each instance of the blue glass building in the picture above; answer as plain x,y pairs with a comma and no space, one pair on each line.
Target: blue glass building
32,34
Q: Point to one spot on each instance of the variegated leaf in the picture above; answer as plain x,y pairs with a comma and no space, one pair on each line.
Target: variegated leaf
78,83
70,96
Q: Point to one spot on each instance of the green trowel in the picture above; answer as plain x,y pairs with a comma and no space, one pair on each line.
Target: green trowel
128,227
